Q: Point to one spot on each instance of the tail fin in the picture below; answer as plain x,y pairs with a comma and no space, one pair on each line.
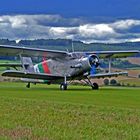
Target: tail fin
27,64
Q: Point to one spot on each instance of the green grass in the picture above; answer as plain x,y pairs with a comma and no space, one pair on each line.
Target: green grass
45,112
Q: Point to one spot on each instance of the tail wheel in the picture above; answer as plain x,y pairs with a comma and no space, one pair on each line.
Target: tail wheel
63,86
95,86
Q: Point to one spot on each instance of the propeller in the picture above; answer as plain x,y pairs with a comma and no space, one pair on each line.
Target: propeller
94,62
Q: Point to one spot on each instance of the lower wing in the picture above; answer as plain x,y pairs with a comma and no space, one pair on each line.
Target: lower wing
113,74
21,74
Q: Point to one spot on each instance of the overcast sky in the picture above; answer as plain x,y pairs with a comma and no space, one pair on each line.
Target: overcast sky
85,20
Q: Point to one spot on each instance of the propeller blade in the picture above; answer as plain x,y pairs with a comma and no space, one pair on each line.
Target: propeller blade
93,70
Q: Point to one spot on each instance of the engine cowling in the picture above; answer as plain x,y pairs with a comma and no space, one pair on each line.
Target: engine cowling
88,62
85,64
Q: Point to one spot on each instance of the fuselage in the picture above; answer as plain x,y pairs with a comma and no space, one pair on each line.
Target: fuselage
63,67
73,68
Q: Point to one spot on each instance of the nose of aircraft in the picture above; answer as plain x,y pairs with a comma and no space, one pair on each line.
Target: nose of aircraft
94,63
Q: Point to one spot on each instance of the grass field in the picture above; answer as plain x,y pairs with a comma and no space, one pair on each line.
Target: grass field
131,82
46,113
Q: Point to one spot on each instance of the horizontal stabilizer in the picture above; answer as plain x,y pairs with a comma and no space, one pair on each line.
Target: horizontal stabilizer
103,75
21,74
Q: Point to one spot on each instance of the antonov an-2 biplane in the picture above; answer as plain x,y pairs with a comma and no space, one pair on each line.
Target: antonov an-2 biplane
60,66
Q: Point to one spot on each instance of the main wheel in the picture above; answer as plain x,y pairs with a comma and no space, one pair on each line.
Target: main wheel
95,86
63,86
28,85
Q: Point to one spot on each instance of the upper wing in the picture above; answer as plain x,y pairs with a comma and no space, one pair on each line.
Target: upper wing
106,54
114,54
6,50
15,50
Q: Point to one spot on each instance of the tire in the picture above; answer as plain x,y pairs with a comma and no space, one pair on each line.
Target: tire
28,85
63,86
95,86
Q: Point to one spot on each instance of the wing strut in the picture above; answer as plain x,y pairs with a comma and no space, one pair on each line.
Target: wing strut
109,68
21,59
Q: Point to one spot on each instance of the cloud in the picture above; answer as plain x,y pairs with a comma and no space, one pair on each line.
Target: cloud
125,24
55,26
135,40
99,30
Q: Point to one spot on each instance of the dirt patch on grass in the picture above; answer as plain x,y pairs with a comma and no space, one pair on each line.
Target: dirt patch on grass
19,133
134,60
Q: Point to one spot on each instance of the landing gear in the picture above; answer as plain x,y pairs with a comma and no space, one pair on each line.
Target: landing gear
95,86
63,86
28,85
